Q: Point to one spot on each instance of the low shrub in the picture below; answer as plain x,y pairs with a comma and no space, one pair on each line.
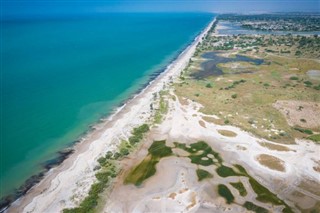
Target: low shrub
209,85
294,78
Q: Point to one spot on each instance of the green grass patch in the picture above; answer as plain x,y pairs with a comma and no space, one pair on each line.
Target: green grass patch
162,110
275,75
305,131
90,203
263,194
147,167
226,193
203,174
143,171
308,83
234,96
209,85
294,78
225,171
159,149
315,138
240,187
199,153
317,87
252,207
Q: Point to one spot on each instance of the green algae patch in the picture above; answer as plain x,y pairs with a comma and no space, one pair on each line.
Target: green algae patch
199,153
226,193
203,174
143,171
240,187
252,207
225,171
147,167
263,194
159,149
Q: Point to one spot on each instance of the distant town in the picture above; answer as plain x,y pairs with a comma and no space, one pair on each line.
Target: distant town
277,22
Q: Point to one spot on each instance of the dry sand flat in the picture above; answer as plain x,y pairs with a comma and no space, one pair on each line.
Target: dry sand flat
271,162
65,185
161,191
301,113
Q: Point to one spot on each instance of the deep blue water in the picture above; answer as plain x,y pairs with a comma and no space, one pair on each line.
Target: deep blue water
61,75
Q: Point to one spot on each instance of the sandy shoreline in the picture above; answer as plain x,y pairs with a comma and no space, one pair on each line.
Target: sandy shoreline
53,193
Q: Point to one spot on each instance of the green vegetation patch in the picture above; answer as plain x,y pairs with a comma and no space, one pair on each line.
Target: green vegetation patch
89,204
305,131
225,171
199,153
159,149
234,84
240,187
315,138
252,207
203,174
108,170
263,194
294,78
226,193
147,167
163,108
137,134
143,171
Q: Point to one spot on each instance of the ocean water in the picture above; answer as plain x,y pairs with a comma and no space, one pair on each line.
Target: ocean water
60,75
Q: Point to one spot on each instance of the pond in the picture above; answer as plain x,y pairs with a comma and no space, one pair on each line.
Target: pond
314,74
210,68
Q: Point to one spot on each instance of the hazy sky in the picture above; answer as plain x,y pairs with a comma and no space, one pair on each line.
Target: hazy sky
63,7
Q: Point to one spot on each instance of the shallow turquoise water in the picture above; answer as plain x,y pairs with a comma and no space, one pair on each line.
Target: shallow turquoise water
61,75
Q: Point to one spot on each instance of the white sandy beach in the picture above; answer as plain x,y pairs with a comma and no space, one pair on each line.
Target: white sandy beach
66,184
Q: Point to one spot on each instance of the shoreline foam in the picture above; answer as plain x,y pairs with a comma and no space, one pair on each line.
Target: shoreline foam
97,132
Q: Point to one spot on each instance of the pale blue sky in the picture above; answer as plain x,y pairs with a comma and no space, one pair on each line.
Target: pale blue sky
64,7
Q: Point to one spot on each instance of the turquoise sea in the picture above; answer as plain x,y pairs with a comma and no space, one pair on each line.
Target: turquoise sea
61,75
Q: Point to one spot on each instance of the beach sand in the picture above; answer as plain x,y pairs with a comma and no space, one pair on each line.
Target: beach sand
175,186
65,185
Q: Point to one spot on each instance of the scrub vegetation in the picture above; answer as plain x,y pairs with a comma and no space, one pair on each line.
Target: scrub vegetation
231,66
108,169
